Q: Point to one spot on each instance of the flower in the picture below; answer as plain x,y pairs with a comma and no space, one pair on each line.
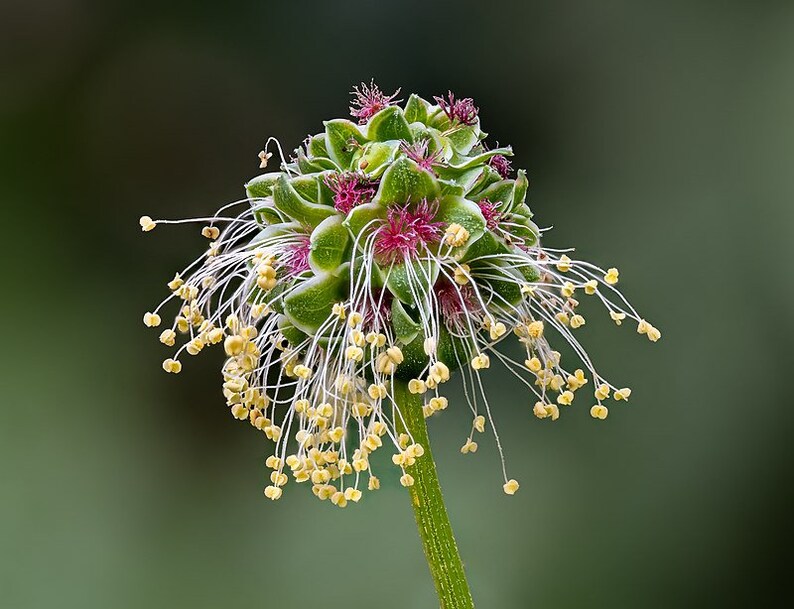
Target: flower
399,259
368,100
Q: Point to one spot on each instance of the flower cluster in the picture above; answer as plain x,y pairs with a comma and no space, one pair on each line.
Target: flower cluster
394,251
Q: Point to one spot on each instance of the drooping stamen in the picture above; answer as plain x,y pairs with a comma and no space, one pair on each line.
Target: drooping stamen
461,110
368,100
350,190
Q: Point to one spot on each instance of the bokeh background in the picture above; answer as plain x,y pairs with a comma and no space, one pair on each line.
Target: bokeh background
659,136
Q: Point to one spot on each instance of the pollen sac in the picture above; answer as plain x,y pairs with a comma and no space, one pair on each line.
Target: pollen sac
391,249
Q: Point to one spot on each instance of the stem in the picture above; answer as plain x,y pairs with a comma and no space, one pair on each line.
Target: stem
431,516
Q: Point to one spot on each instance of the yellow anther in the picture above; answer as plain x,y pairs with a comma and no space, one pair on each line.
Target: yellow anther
497,330
355,319
407,480
172,366
427,411
395,354
215,336
510,487
278,478
404,440
480,361
357,338
195,346
577,321
175,283
273,492
373,484
234,345
564,264
535,329
469,447
210,232
533,364
232,322
260,309
415,450
320,476
602,391
539,410
565,398
576,380
563,318
339,310
417,386
325,410
361,409
398,458
377,391
249,332
352,494
152,320
273,462
599,411
611,276
429,346
479,423
266,283
438,403
339,499
147,224
456,235
462,274
264,157
302,372
273,432
622,394
439,372
617,317
293,462
567,289
239,411
654,334
528,290
591,287
354,353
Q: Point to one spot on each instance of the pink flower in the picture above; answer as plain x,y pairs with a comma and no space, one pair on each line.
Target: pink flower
369,100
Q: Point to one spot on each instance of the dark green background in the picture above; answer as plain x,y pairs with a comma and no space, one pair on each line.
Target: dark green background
658,137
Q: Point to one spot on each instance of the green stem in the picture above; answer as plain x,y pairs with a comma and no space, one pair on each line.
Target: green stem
431,516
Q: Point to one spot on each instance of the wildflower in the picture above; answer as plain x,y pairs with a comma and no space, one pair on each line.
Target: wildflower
353,269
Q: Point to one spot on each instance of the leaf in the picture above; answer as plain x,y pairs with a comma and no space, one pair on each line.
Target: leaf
499,192
520,188
409,278
342,138
377,156
525,229
361,216
309,305
389,124
329,245
262,185
487,245
452,209
306,187
317,146
416,109
405,181
405,328
459,162
296,207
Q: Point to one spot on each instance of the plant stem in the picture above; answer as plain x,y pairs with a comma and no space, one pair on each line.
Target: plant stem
431,516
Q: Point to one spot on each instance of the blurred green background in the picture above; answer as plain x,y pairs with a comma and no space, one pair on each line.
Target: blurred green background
659,136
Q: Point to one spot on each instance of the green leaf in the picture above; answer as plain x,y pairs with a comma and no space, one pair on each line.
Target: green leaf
314,164
464,137
459,162
342,138
288,200
310,304
414,277
520,190
487,245
452,209
416,109
508,288
405,181
362,215
267,214
262,185
306,187
405,328
500,192
389,124
317,146
377,156
329,245
523,228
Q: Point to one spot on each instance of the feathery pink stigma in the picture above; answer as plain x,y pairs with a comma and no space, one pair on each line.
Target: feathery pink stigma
502,165
491,214
350,190
369,100
296,256
417,152
405,231
461,110
455,302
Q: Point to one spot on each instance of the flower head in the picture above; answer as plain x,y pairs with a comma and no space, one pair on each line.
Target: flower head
368,100
354,268
502,165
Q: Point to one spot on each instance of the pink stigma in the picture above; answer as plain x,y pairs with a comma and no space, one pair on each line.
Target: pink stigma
455,302
350,190
491,214
368,100
405,231
461,110
417,152
296,256
502,165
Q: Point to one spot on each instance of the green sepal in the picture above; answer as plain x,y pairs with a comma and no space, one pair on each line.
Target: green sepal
306,187
524,228
464,137
267,215
376,276
465,179
487,245
452,209
362,215
317,146
261,186
405,328
329,246
310,304
405,181
508,288
338,135
520,188
313,165
294,336
389,124
287,199
461,163
415,360
500,192
377,156
449,187
417,274
416,109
